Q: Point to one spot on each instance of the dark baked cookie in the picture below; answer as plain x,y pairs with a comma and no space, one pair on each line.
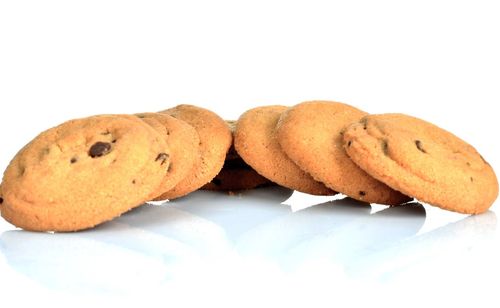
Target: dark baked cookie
237,178
424,161
215,140
310,134
256,143
83,172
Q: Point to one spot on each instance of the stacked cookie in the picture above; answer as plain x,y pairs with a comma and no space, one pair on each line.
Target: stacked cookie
319,147
88,171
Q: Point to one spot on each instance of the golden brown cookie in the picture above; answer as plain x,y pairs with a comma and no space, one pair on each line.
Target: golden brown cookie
424,161
183,142
215,140
83,172
310,134
256,143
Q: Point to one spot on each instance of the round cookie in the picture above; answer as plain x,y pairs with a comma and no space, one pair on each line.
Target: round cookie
310,134
182,140
215,140
422,160
83,172
256,143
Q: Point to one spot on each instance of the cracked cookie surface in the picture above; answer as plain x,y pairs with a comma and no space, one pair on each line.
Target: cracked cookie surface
422,160
255,141
310,134
83,172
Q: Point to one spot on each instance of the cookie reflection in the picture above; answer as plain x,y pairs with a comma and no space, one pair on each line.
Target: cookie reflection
209,234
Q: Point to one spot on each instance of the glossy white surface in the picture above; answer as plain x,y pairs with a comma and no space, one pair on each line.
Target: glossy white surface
434,59
217,248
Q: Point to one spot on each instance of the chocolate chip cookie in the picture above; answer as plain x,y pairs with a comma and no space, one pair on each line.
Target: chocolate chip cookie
255,141
84,172
215,140
310,134
422,160
183,142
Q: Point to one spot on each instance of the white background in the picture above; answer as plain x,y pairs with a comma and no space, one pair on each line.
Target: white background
438,60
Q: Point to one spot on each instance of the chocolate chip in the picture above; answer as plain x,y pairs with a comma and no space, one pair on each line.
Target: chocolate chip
385,147
99,149
73,160
113,141
362,193
1,200
163,157
419,145
349,143
133,181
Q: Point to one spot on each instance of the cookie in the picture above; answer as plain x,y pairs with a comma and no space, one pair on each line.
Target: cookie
183,142
83,172
236,174
310,134
215,140
256,143
424,161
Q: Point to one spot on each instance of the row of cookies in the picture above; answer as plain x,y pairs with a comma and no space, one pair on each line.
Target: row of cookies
322,147
87,171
